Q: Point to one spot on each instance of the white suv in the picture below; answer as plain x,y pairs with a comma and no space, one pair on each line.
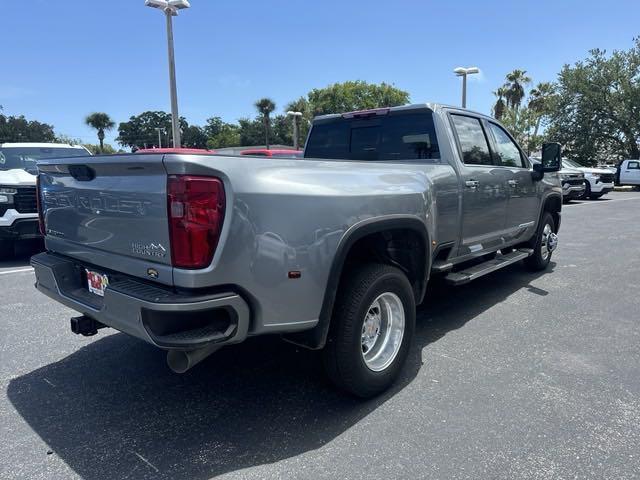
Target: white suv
18,170
598,181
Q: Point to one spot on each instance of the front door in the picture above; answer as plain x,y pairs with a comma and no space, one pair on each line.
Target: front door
484,188
523,205
630,173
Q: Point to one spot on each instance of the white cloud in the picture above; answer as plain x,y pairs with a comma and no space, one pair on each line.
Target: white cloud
10,92
232,80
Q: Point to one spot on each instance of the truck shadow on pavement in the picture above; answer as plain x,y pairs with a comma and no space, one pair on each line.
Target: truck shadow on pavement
114,410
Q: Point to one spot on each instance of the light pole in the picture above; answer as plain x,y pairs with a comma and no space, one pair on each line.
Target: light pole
170,9
295,116
463,72
160,131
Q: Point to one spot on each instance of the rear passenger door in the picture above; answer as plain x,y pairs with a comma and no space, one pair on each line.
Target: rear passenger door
484,187
523,205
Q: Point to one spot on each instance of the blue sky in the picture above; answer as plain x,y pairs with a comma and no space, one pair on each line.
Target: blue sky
64,59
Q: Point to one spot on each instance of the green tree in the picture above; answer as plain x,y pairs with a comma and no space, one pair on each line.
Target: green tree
265,106
100,149
62,138
500,105
596,112
100,121
19,129
227,136
251,131
355,95
541,104
515,93
141,130
221,134
193,136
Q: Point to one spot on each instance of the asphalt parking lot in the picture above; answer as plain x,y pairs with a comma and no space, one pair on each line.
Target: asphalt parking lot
518,375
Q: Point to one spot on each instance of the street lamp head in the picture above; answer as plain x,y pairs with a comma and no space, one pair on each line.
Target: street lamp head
465,71
295,114
179,4
160,4
168,6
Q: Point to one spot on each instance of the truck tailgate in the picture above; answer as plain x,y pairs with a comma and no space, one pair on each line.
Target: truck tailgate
110,211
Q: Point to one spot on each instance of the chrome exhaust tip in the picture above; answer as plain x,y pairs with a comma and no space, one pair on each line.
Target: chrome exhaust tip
179,361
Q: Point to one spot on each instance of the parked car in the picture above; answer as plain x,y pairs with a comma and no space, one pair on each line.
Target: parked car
598,181
334,251
573,184
612,167
628,173
18,170
174,150
277,153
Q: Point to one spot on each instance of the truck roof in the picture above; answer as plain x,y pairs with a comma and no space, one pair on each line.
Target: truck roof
40,145
401,108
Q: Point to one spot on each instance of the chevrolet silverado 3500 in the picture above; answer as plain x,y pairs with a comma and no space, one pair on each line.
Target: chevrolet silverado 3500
332,251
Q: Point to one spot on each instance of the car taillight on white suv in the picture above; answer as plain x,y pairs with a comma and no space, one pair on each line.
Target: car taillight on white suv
196,207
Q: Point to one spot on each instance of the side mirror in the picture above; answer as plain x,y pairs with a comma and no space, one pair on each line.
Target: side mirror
538,172
551,157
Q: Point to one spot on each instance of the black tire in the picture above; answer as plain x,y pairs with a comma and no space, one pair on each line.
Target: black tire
596,196
343,355
587,191
537,261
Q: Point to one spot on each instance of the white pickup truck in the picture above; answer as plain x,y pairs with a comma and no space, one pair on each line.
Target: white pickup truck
598,181
18,206
629,173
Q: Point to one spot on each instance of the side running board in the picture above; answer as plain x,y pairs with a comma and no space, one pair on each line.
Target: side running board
477,271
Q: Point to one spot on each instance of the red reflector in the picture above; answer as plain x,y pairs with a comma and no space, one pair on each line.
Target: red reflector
196,211
40,208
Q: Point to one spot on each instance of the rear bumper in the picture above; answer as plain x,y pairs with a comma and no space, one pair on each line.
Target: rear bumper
160,316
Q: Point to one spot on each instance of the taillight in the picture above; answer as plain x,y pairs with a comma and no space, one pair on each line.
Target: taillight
196,212
40,207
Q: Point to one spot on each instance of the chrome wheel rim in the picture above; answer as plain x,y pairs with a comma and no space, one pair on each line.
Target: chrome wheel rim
549,242
382,331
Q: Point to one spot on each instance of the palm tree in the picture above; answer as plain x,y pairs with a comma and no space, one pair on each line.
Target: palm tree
101,122
516,81
499,107
265,106
539,102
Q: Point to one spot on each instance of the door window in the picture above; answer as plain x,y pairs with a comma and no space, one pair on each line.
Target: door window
634,166
473,141
507,151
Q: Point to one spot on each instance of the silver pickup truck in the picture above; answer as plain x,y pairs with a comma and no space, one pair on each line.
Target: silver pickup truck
332,251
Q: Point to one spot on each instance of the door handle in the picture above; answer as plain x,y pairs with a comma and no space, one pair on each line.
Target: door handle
472,184
513,183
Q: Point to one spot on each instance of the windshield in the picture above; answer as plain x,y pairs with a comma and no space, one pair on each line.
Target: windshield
26,158
571,164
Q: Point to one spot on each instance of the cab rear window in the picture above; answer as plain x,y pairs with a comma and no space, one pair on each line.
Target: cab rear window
409,136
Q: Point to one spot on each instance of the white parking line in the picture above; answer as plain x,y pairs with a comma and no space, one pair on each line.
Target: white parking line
604,202
19,270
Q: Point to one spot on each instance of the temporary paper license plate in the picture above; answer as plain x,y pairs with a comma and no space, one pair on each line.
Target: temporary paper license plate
97,282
